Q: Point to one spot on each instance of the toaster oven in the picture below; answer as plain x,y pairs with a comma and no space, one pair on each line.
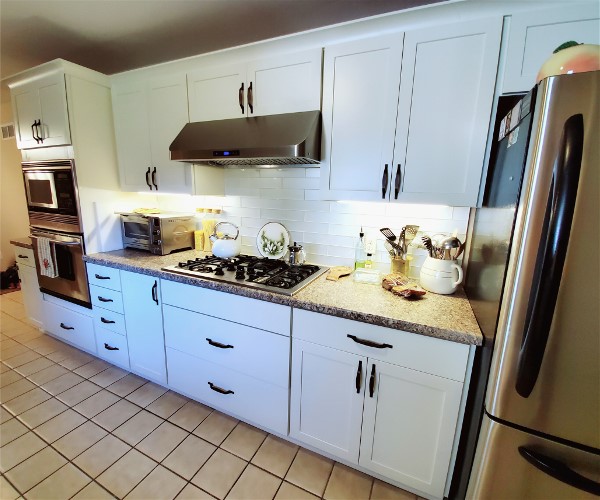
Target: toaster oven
159,234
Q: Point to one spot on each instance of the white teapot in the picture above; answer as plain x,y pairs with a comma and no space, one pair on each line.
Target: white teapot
440,276
225,246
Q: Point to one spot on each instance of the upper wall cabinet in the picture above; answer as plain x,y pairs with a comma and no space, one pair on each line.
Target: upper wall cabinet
283,84
410,123
40,111
534,35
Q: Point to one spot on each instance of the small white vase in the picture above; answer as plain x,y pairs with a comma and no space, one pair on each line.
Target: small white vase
440,276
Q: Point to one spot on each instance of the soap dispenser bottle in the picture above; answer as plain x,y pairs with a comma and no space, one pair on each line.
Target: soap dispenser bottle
360,252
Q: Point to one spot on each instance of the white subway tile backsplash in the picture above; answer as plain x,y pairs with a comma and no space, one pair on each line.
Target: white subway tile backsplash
282,194
312,194
282,172
305,183
237,190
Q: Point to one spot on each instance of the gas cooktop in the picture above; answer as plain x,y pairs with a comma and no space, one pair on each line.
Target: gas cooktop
271,275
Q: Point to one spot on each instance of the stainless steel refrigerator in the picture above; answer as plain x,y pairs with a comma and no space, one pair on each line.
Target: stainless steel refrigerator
533,281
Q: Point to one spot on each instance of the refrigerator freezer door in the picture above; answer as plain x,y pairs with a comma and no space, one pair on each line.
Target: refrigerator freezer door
504,472
545,373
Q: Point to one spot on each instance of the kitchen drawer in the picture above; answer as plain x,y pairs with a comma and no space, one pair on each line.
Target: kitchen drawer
260,354
71,326
106,299
112,347
25,256
110,320
411,350
251,399
251,312
106,277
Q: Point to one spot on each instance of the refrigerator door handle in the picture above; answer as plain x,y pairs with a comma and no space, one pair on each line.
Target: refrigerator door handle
560,471
551,254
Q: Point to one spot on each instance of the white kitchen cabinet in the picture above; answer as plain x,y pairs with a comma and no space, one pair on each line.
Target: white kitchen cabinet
30,288
40,111
284,84
533,36
69,322
143,321
406,115
386,400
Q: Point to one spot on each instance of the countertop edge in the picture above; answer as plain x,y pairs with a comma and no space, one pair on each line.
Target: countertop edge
22,242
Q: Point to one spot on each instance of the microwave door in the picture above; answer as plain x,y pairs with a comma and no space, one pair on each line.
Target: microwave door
40,189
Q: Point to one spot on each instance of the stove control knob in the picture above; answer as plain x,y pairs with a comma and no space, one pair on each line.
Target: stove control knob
251,271
219,271
231,267
239,274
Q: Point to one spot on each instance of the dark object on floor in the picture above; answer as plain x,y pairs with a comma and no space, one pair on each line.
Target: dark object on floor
10,277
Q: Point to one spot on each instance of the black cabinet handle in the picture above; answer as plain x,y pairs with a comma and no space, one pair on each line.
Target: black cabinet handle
251,98
39,131
155,292
148,179
358,377
106,321
372,381
218,389
33,134
110,348
384,182
102,299
65,327
560,471
154,179
219,345
99,277
241,97
368,343
23,256
397,182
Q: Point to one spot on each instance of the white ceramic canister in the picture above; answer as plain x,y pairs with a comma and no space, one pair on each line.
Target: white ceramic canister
440,276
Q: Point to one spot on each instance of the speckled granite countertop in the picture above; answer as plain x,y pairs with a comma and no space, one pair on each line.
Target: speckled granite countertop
446,317
22,242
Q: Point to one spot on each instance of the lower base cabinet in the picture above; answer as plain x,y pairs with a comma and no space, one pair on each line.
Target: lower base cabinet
71,326
30,288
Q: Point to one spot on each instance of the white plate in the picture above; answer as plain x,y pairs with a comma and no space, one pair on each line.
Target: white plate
272,240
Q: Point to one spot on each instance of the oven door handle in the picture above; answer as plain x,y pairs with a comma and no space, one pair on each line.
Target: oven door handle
66,243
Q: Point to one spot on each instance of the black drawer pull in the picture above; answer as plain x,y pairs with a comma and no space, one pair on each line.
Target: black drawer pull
369,343
218,389
23,256
218,344
110,348
358,377
98,277
102,299
372,381
106,321
65,327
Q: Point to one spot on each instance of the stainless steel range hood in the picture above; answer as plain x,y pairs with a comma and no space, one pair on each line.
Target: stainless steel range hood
292,139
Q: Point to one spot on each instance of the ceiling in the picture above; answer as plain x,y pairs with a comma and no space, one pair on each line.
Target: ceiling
111,36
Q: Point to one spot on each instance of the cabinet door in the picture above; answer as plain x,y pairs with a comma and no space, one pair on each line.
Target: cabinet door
285,84
167,114
43,100
133,140
360,97
534,35
327,398
409,425
143,321
446,96
32,297
214,93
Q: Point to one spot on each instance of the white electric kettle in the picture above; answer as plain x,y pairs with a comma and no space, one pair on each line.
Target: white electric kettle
225,246
440,276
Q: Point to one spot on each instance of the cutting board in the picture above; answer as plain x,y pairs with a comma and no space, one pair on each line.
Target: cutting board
335,273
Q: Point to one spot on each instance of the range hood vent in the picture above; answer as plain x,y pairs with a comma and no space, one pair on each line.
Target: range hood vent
291,139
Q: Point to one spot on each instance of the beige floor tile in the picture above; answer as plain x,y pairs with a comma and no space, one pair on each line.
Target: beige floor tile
101,456
146,394
20,449
385,491
44,345
275,455
5,415
93,405
75,360
347,484
244,440
79,440
11,430
138,427
48,374
35,469
190,415
22,359
60,425
162,441
35,366
63,352
254,483
288,491
10,351
92,368
191,492
189,456
167,404
216,427
42,412
160,483
126,385
62,383
7,492
33,333
78,393
15,389
25,401
13,308
117,414
93,491
64,483
3,367
121,477
310,471
219,473
9,377
108,376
